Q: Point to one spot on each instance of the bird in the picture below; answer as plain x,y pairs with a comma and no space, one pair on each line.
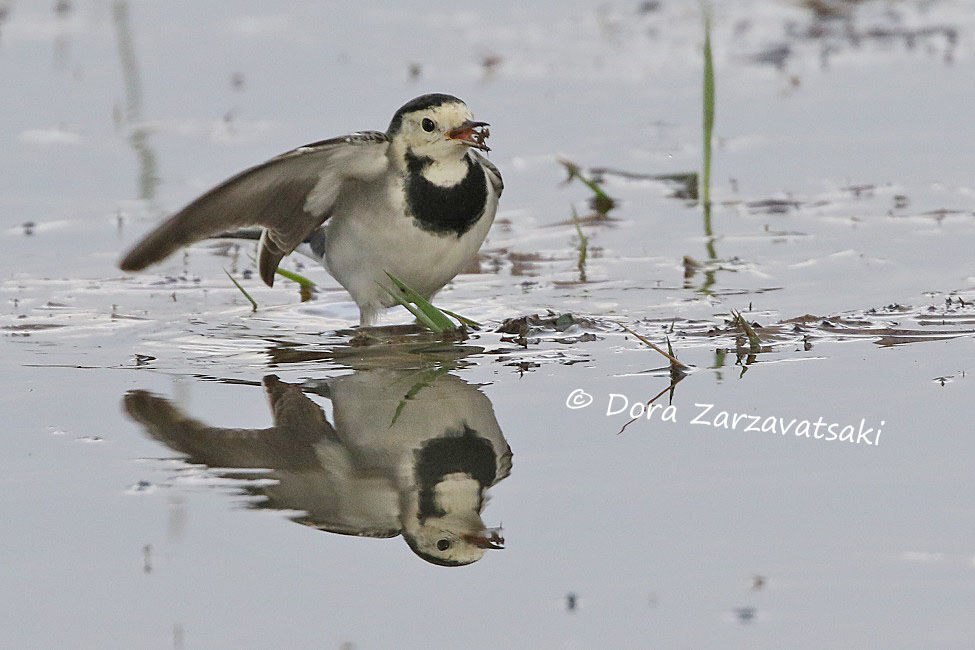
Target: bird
415,201
406,453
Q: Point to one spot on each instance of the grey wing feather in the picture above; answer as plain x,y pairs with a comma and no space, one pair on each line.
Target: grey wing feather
289,449
289,195
494,176
299,424
504,465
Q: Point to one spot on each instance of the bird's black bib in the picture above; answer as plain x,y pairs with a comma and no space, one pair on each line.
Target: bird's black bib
445,210
456,452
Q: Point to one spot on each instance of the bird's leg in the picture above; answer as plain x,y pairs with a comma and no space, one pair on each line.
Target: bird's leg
369,314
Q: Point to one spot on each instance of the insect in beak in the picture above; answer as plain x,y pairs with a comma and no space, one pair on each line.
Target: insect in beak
473,134
490,538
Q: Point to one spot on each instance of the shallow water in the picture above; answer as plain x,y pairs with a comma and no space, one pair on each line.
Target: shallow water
843,194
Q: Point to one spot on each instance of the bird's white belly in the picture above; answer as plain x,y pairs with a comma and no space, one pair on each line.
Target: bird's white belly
359,249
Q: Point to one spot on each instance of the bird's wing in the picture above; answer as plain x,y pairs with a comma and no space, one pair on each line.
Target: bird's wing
276,448
290,195
332,497
504,464
493,175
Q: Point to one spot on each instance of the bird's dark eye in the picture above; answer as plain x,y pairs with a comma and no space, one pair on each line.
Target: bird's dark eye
442,544
429,126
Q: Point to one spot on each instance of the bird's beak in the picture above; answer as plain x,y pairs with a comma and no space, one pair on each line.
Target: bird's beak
489,538
473,134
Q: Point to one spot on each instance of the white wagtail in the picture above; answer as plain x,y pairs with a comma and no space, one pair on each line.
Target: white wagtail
384,469
415,201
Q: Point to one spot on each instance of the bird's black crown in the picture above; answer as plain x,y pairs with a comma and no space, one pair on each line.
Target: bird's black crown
418,104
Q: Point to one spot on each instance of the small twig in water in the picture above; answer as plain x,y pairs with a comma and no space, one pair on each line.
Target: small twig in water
674,361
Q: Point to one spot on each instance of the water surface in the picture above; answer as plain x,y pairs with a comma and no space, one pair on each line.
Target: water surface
842,228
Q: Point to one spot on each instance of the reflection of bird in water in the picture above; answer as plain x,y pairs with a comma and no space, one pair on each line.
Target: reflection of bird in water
411,453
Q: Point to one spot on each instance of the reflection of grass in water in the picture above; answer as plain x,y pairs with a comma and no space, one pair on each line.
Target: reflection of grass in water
678,370
426,379
670,389
719,362
709,275
139,136
583,247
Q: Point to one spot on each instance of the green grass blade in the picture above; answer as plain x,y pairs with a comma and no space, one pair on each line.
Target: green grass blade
306,287
420,316
473,324
242,290
602,202
574,172
754,342
295,277
709,102
594,188
432,313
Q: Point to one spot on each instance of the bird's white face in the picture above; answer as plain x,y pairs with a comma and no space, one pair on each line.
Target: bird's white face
457,536
446,545
454,540
441,132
